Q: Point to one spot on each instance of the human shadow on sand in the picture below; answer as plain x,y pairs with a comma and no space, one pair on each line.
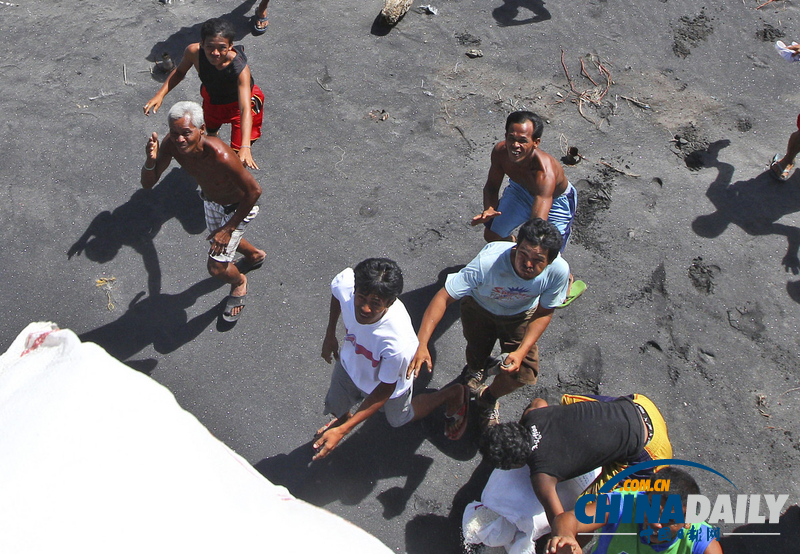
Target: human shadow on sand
785,543
373,452
137,222
417,300
160,320
506,15
177,42
432,533
755,205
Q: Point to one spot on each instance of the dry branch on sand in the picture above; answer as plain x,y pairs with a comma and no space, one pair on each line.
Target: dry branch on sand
593,95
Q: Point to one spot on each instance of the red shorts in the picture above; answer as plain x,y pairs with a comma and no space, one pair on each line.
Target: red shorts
218,114
798,122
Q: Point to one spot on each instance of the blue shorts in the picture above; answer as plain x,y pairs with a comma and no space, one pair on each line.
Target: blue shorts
516,206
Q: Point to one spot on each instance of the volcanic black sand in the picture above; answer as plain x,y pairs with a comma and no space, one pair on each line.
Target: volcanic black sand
689,248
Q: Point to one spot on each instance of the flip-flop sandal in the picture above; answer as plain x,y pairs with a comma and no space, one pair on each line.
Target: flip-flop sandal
255,20
244,266
577,288
456,424
233,302
778,172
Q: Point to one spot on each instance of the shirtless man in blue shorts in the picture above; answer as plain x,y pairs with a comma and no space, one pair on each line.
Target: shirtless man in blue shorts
537,186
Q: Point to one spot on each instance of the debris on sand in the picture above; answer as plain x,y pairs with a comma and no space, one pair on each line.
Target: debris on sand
591,96
474,53
379,115
769,33
572,157
166,65
691,146
761,404
467,39
394,10
690,32
428,10
107,285
702,275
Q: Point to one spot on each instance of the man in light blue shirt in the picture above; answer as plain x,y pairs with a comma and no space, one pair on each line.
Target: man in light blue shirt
508,293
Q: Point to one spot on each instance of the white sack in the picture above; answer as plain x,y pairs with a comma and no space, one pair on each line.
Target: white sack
96,457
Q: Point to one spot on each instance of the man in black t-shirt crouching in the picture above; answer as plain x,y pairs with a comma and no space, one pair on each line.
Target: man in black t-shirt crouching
582,433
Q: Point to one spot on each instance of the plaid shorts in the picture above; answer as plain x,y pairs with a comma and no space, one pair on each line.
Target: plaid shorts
218,215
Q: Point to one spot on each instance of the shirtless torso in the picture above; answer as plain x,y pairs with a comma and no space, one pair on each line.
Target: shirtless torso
519,157
215,166
220,54
223,180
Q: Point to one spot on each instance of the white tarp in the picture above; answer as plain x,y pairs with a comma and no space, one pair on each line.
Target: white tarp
96,457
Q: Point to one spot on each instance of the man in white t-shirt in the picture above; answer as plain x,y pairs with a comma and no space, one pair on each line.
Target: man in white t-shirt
508,293
372,363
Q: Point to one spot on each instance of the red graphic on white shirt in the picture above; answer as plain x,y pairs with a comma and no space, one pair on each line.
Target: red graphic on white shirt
361,350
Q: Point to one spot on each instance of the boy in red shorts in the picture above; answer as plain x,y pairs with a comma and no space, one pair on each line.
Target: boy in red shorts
228,91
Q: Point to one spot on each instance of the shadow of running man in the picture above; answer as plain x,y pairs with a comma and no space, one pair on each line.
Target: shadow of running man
137,222
160,320
755,205
506,15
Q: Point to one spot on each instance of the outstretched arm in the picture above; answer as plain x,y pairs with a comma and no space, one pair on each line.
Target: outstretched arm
491,190
544,486
177,75
371,404
545,190
433,315
565,528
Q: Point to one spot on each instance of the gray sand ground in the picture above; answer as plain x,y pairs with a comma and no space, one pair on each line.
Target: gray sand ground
692,266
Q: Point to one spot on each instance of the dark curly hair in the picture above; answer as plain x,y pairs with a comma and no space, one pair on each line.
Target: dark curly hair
379,276
539,232
506,446
217,27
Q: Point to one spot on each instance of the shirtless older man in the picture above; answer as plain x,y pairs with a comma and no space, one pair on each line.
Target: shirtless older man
537,186
228,190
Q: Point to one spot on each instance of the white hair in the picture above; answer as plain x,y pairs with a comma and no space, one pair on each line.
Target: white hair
192,109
